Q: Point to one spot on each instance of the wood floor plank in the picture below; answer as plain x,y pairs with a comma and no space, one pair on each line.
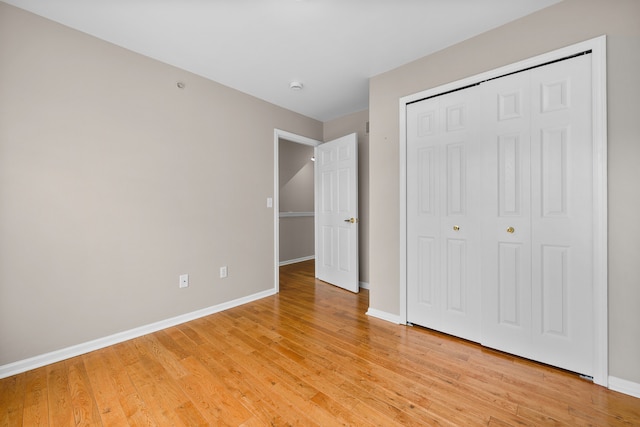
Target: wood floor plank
162,348
36,398
308,356
83,403
134,407
12,391
191,416
60,409
106,397
161,398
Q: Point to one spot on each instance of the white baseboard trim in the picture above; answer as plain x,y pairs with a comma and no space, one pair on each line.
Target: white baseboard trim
393,318
76,350
364,285
293,261
624,386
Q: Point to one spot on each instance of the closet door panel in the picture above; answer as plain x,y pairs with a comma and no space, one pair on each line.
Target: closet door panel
455,286
554,310
427,289
506,253
459,215
442,220
510,284
509,177
562,197
423,213
456,191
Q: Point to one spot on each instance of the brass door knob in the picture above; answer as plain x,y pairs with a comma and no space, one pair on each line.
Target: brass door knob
511,230
456,228
351,220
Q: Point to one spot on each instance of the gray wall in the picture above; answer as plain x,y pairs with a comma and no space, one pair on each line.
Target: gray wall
296,234
568,22
113,182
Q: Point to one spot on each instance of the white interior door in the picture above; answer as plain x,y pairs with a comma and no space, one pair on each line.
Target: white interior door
336,212
443,179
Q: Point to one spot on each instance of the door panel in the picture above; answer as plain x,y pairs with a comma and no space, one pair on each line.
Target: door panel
423,213
537,288
562,198
506,239
459,221
337,196
426,275
456,275
427,181
327,248
554,290
553,164
510,175
510,284
456,184
443,166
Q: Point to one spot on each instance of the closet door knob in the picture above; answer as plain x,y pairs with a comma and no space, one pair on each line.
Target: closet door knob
510,230
456,228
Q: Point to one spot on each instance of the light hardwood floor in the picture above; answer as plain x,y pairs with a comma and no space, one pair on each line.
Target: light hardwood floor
308,356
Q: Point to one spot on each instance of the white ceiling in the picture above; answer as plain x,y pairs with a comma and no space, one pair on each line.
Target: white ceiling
259,46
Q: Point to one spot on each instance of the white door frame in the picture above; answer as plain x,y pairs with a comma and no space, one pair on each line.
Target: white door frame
597,46
299,139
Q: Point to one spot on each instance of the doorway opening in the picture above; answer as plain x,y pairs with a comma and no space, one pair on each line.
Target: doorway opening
293,200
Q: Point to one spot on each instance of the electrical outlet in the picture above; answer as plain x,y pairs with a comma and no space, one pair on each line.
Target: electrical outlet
184,281
223,272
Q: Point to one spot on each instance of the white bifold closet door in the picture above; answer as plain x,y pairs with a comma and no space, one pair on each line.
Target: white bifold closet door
538,238
511,267
443,185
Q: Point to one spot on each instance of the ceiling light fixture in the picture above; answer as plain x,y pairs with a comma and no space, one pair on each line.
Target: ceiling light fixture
295,86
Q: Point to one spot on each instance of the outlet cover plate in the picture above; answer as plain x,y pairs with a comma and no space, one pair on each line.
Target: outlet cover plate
184,281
